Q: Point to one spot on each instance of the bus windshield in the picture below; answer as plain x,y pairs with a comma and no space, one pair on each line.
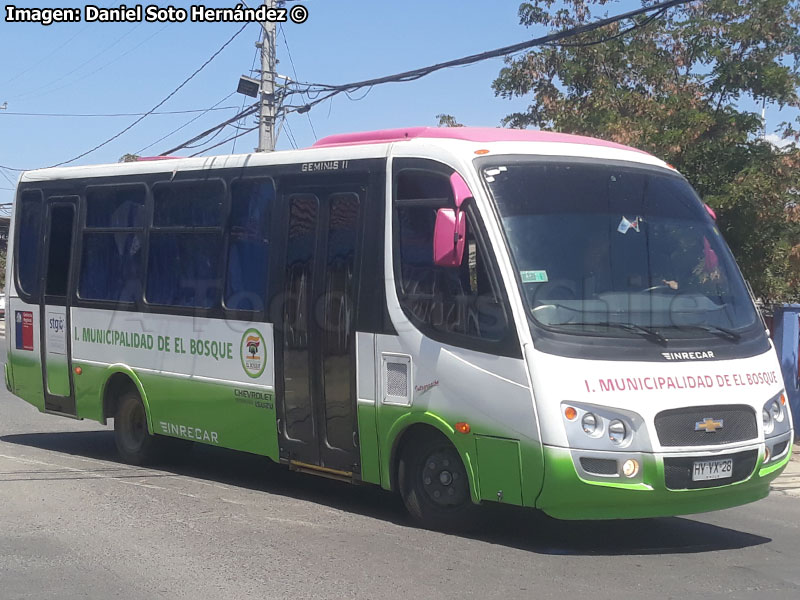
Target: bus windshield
614,250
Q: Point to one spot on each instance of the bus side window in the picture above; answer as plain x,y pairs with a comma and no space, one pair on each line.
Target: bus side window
185,247
248,249
29,242
460,301
111,263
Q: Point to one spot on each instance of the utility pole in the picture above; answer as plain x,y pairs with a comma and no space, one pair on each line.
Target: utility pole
266,117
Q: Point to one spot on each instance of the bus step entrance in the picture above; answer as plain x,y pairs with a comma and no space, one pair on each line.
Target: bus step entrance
296,465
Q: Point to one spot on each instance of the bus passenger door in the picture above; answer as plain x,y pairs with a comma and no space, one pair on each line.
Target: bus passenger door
315,343
55,326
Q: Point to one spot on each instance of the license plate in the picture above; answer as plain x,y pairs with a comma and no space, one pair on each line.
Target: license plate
703,470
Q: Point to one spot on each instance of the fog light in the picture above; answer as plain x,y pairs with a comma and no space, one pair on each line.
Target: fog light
630,468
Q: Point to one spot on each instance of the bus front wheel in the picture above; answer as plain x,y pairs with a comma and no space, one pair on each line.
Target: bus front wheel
434,484
135,444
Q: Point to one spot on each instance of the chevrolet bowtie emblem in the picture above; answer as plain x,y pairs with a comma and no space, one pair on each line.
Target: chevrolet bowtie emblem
708,425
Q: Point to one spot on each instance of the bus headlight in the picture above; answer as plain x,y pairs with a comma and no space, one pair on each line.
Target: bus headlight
617,432
775,416
769,423
604,428
776,411
589,424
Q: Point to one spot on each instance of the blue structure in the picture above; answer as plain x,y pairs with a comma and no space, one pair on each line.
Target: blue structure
787,342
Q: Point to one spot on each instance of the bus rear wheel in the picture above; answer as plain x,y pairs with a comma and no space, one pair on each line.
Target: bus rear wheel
434,484
134,442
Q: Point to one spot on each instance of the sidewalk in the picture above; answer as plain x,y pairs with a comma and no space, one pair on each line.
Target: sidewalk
789,481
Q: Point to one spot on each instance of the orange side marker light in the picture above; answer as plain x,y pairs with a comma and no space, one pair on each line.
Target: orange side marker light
570,413
78,370
463,427
482,151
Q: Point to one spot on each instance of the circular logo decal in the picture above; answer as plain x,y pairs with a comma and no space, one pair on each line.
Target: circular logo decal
253,352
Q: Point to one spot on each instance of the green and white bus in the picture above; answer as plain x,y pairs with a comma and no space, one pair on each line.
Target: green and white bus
461,315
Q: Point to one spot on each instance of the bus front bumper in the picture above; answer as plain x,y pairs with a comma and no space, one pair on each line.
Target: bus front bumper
569,492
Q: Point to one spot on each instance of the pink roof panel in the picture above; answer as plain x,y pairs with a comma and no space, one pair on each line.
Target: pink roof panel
470,134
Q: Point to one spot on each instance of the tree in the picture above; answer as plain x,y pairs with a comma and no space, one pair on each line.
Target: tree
129,158
446,120
674,85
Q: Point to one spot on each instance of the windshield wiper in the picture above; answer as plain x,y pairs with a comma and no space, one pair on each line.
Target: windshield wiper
716,329
645,332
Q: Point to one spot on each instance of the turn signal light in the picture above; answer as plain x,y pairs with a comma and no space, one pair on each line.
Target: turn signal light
783,399
78,370
482,151
570,413
462,427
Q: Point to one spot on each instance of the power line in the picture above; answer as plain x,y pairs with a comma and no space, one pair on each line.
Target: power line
53,51
610,38
415,74
46,56
170,95
474,58
294,71
107,64
290,135
223,142
252,109
49,84
7,178
139,114
244,98
189,122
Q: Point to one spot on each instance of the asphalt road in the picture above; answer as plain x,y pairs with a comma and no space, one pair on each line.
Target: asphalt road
75,523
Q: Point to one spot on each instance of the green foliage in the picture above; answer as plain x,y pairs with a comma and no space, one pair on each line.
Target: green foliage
674,86
128,158
445,120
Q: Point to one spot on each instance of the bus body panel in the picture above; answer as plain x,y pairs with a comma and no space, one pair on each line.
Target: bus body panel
637,393
201,379
520,448
448,384
566,496
23,339
366,408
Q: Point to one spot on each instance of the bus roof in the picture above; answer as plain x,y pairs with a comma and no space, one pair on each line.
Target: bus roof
471,134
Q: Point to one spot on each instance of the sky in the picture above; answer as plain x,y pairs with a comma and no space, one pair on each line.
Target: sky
111,68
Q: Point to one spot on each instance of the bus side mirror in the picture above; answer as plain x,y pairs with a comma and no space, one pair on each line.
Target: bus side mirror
460,189
448,237
451,227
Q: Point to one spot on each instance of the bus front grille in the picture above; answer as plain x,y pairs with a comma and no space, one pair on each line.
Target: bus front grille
678,471
706,425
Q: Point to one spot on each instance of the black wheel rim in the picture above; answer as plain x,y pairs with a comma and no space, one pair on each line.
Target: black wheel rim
443,479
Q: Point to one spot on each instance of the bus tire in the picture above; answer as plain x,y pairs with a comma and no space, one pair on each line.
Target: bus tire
434,484
134,442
